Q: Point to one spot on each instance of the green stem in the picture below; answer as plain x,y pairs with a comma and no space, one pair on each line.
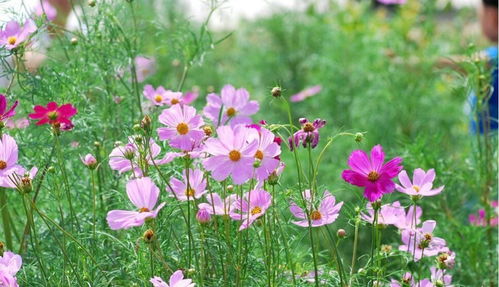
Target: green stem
5,218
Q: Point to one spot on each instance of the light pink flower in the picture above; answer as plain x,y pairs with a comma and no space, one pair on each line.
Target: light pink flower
233,105
251,207
266,152
325,214
308,92
183,127
10,264
439,278
422,184
89,160
189,97
45,8
13,35
18,177
157,96
203,216
392,2
194,190
389,214
232,154
143,193
176,280
20,123
406,221
8,155
144,67
420,242
218,206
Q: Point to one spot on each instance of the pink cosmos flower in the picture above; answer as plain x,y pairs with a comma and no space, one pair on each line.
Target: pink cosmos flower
54,114
422,183
190,97
157,96
439,278
480,219
421,242
10,264
233,105
218,206
125,158
372,174
249,208
18,177
406,221
4,115
176,280
183,127
90,161
266,152
13,35
389,214
143,193
326,213
144,67
45,8
21,123
309,133
194,190
308,92
407,280
8,155
392,2
232,154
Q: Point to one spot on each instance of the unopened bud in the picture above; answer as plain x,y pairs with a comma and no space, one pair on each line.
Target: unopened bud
97,144
74,41
359,137
203,216
276,92
91,3
1,248
146,123
439,283
26,184
51,169
148,236
136,127
273,178
89,161
376,205
208,131
230,187
341,233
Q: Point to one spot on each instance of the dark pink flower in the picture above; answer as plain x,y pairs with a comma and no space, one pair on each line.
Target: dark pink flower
372,173
308,135
54,114
4,113
480,219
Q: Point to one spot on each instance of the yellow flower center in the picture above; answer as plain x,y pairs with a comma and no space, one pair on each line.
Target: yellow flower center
256,210
182,128
234,155
231,112
315,215
308,127
174,101
3,164
12,40
373,176
416,188
190,192
158,98
259,154
144,209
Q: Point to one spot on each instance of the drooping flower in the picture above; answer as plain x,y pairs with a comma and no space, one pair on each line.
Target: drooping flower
143,193
10,264
4,113
232,154
45,8
422,184
8,155
183,127
144,67
54,114
89,161
480,219
389,214
406,221
176,280
194,190
372,174
308,92
218,206
325,213
233,105
420,242
13,35
266,152
126,157
249,208
308,135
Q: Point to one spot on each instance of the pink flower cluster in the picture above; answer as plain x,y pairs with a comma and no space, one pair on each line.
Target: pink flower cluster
10,264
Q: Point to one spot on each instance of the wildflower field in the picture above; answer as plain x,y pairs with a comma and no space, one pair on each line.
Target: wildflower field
315,147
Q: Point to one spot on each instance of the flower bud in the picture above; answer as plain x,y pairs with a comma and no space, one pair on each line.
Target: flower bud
146,123
26,184
203,216
51,169
208,131
230,187
376,205
97,144
273,178
1,248
359,137
136,128
74,41
341,233
148,236
90,161
439,283
91,3
276,92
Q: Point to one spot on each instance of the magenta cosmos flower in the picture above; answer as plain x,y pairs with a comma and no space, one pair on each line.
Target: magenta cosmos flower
267,152
251,207
161,97
308,92
218,206
10,264
389,214
422,184
183,127
8,155
176,280
143,193
194,190
309,133
231,154
126,157
45,8
4,113
372,173
480,219
326,213
420,242
54,114
13,35
233,105
392,2
144,67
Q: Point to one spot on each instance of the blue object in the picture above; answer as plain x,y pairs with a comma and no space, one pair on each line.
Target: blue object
491,53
